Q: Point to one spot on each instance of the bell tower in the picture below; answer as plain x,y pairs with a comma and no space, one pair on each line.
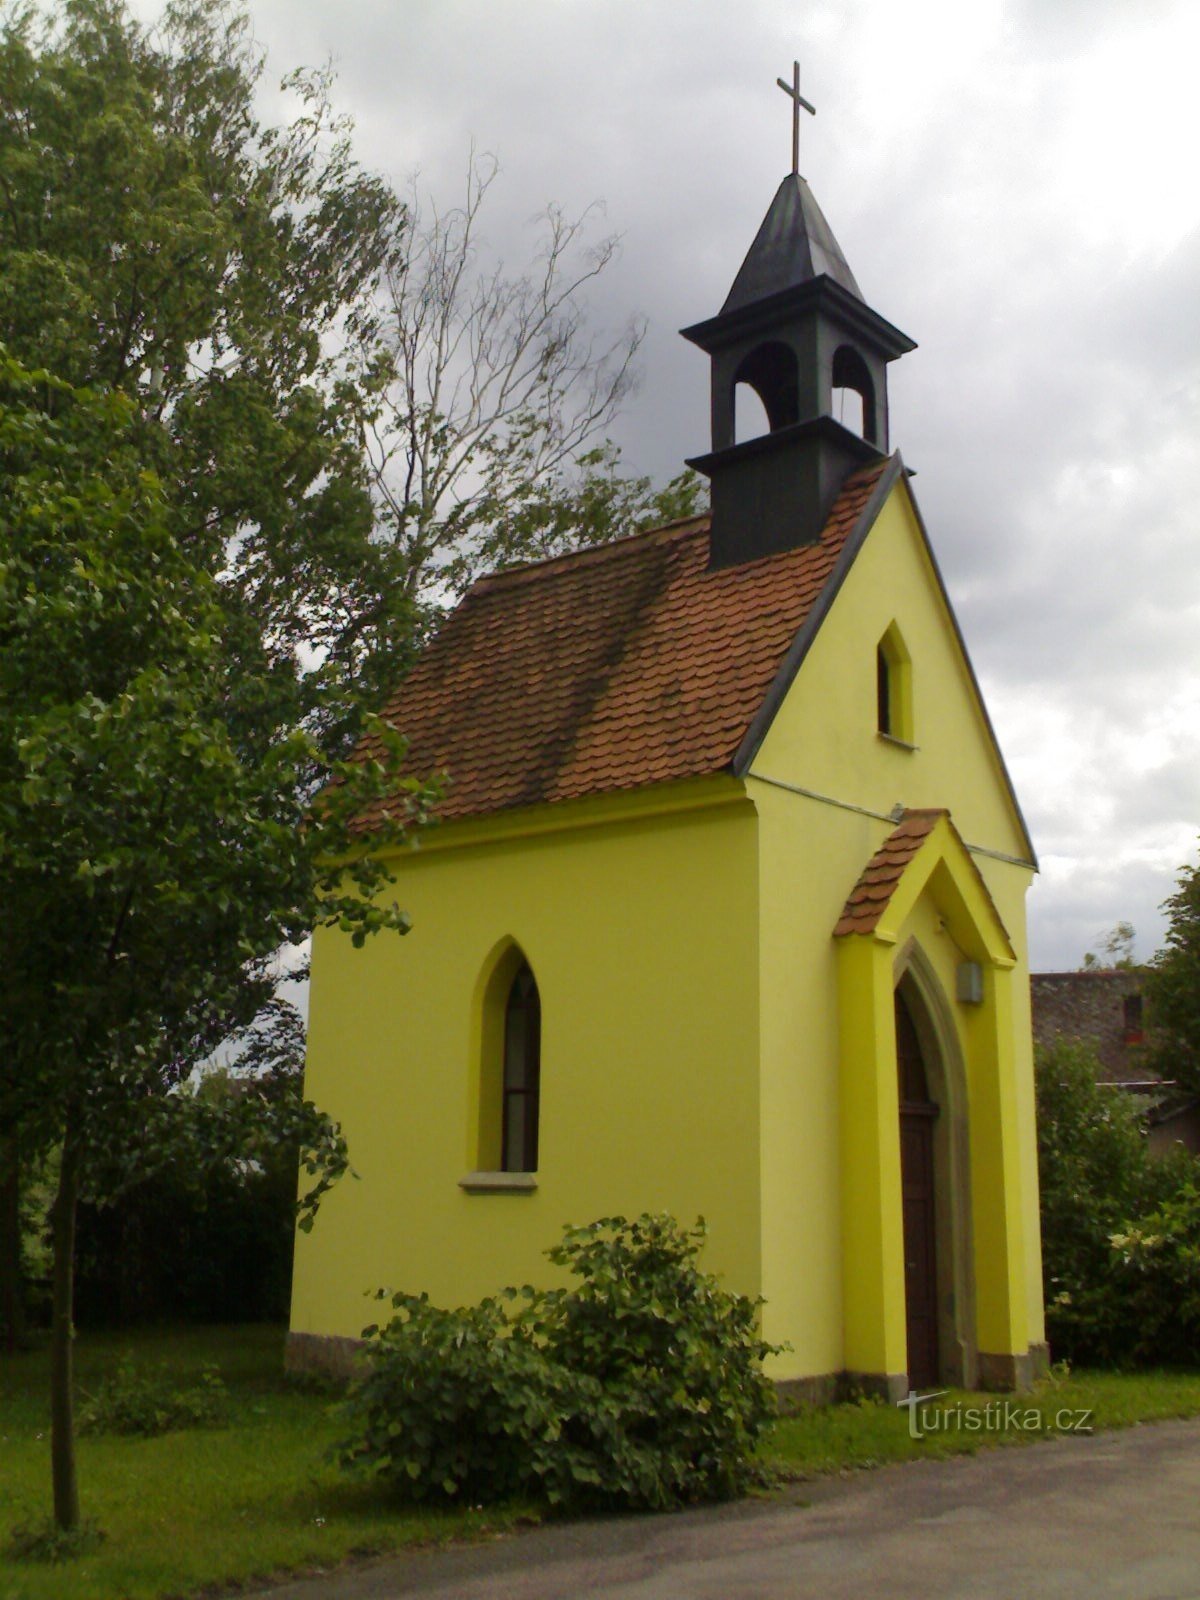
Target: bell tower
796,329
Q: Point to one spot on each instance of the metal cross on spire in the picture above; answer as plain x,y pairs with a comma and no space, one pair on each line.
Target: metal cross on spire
792,90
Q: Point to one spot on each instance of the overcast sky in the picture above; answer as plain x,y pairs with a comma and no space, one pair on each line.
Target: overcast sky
1014,184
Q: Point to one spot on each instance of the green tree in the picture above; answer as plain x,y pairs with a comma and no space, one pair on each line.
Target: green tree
1120,1227
158,239
203,1225
240,577
1094,1172
1173,985
157,844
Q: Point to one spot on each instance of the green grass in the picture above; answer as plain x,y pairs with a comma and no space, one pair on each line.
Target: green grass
205,1507
214,1506
868,1434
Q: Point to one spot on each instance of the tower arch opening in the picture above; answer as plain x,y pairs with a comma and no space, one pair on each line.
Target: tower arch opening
854,394
772,371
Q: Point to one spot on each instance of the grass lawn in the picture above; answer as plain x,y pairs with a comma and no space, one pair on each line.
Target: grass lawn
206,1506
212,1506
868,1434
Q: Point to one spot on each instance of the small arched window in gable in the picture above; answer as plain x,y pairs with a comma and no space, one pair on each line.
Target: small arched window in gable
893,687
522,1074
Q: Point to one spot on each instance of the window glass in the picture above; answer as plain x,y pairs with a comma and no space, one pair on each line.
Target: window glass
522,1073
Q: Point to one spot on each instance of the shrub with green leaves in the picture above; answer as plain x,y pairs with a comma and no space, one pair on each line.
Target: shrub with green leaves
148,1401
1156,1272
638,1385
1120,1227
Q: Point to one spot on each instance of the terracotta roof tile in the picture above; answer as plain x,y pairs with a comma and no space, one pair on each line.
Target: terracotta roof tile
870,896
613,668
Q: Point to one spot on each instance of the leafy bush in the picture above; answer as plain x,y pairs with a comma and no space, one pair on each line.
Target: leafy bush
1156,1272
1117,1223
146,1401
640,1385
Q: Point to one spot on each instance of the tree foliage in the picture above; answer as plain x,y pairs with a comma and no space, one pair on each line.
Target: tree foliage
638,1385
192,605
200,1227
203,579
1120,1228
1094,1173
1173,985
157,239
156,842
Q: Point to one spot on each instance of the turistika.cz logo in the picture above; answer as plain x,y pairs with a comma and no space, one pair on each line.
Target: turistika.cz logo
994,1416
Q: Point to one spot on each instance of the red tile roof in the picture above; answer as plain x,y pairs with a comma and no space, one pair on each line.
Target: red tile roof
610,669
870,895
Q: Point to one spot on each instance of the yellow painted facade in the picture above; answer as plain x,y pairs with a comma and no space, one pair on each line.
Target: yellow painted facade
642,935
708,1047
830,1144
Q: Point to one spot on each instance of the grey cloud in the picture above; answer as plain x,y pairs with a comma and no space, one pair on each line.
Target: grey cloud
1051,407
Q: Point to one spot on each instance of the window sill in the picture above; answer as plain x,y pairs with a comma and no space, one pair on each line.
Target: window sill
890,738
499,1182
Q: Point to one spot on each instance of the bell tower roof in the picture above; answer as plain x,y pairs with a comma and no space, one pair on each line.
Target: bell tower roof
796,331
794,245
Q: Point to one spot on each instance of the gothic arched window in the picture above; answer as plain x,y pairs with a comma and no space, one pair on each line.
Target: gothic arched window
522,1074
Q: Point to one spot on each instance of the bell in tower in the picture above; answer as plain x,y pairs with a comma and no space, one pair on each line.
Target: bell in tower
796,329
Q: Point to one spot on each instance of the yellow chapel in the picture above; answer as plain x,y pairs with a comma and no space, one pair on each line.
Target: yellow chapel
725,911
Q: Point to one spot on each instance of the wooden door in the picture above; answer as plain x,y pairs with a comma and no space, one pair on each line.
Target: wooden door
918,1114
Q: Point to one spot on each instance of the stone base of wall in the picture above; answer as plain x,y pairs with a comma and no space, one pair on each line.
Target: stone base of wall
797,1394
888,1386
1003,1374
329,1355
334,1356
1016,1373
831,1387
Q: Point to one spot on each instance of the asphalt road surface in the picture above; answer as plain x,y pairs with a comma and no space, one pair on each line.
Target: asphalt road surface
1117,1514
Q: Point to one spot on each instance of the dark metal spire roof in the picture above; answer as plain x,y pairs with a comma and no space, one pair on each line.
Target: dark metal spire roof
794,245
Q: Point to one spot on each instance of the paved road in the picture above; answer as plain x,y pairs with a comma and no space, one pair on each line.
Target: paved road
1114,1515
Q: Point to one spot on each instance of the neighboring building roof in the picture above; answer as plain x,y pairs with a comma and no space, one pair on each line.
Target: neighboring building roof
616,667
870,896
1089,1005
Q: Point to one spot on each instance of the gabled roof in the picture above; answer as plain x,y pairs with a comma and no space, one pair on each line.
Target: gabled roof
871,894
614,668
967,904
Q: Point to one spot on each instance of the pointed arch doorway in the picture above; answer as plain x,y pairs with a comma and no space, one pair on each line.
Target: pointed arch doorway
918,1180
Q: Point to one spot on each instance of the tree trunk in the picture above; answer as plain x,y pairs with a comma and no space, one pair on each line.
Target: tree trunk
12,1309
62,1397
